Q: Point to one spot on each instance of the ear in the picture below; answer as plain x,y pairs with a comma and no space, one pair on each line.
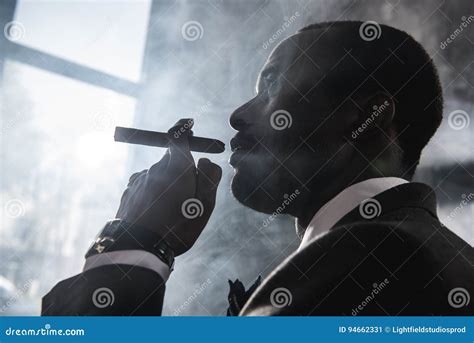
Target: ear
375,114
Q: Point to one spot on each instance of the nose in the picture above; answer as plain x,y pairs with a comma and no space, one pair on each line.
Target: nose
240,118
237,121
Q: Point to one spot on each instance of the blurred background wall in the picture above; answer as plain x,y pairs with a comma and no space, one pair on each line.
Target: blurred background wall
70,71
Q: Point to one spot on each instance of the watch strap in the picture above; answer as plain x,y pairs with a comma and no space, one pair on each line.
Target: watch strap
120,235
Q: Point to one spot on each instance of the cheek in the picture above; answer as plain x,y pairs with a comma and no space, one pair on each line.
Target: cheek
258,163
255,169
279,109
281,143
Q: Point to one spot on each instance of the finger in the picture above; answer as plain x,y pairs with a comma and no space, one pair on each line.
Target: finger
134,176
176,133
180,154
208,177
182,126
161,165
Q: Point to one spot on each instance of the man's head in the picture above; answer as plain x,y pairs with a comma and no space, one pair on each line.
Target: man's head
333,108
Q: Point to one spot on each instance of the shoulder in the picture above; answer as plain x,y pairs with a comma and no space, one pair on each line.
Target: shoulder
361,239
334,272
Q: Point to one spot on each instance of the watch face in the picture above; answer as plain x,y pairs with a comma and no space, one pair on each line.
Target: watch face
99,248
103,244
165,253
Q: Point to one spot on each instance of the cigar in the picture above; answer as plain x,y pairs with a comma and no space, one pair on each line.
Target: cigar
162,139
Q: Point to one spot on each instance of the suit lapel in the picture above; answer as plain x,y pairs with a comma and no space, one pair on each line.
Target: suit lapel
408,195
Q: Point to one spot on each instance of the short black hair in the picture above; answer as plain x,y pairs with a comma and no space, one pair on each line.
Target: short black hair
395,63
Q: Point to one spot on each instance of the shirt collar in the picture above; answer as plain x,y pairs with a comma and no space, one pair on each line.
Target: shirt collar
344,202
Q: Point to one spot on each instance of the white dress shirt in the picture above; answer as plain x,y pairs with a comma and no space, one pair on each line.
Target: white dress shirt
322,221
138,258
345,202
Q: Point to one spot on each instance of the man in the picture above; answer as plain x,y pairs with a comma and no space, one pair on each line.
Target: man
338,122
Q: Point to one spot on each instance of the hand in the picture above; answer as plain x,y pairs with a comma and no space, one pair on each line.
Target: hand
173,198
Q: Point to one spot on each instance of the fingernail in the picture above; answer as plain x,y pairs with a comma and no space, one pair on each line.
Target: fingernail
186,123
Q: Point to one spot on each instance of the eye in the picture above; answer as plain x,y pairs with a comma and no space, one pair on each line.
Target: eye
267,82
271,83
269,77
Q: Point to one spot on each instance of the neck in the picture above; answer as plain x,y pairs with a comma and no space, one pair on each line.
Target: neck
314,201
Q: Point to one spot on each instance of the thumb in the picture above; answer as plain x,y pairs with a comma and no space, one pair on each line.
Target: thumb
208,177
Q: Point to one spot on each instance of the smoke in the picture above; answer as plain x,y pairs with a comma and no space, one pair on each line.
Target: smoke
201,61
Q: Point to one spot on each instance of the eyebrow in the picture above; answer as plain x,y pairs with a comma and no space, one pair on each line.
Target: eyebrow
264,72
267,70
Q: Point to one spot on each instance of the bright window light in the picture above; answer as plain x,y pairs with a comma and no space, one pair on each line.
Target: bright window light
105,35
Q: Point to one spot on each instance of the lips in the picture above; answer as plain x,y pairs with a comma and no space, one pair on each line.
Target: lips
242,142
235,145
240,146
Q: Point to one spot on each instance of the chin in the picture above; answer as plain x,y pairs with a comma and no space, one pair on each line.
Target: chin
246,189
244,193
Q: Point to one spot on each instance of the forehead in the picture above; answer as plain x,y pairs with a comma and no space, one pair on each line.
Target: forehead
312,51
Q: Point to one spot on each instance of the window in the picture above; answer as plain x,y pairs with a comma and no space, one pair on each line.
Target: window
105,35
66,84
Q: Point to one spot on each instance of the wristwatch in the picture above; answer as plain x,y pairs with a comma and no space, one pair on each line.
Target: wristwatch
120,235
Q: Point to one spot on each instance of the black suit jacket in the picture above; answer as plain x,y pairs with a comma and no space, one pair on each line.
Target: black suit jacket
403,262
